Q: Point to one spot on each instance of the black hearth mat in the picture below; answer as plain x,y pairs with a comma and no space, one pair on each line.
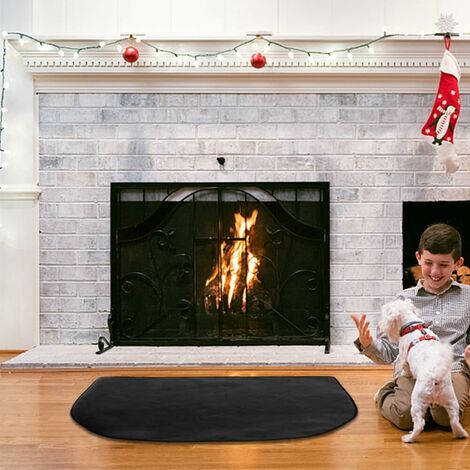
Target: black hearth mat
213,409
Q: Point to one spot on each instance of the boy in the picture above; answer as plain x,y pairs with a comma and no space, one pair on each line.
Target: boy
445,306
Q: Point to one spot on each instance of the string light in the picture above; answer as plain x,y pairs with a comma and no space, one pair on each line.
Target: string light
219,55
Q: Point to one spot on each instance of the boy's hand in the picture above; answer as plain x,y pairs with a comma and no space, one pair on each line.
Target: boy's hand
362,325
466,355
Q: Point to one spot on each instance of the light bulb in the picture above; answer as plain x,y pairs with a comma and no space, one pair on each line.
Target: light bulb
119,48
61,52
310,59
6,85
40,46
102,43
255,46
3,165
371,50
4,110
4,34
4,186
238,54
384,29
220,57
196,63
21,41
267,47
75,55
4,126
137,39
350,56
290,54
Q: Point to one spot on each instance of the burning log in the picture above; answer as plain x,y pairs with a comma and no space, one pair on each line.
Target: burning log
238,270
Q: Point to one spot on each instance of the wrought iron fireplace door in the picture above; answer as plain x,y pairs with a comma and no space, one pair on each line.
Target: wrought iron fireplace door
219,264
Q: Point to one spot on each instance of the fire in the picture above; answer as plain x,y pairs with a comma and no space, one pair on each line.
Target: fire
238,274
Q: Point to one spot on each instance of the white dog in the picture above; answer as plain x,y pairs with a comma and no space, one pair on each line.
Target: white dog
427,360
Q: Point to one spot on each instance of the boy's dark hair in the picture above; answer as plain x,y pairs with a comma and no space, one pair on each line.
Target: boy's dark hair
441,239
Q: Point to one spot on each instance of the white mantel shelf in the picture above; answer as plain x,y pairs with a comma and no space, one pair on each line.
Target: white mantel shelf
399,65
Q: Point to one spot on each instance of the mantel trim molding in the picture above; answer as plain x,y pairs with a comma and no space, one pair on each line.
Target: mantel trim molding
18,192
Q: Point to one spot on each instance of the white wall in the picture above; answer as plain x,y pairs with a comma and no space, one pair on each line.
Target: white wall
19,213
16,15
228,18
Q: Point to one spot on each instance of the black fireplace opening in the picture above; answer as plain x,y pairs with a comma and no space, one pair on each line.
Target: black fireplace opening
417,216
220,264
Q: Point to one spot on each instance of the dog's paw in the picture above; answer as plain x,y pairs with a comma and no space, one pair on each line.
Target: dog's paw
408,438
461,434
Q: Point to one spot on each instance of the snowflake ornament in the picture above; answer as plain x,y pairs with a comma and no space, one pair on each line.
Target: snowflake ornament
446,23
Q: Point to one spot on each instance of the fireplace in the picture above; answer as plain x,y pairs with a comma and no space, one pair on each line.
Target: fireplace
219,264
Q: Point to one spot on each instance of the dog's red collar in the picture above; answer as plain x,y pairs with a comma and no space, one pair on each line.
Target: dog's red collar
412,327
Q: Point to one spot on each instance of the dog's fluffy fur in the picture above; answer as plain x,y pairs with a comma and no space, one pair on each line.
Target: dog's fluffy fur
428,361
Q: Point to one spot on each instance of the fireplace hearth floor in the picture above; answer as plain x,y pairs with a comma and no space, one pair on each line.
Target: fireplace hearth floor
84,356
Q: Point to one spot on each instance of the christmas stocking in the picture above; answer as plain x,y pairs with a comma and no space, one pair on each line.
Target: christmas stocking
441,123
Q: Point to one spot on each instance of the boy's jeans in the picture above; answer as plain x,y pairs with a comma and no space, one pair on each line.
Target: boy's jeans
394,401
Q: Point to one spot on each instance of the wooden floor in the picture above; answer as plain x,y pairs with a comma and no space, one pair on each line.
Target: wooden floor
36,431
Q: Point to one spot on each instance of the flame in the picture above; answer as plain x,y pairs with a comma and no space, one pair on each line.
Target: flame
235,275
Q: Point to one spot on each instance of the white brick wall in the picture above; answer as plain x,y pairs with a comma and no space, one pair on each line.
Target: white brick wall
368,146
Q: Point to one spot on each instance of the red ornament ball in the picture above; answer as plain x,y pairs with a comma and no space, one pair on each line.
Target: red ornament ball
258,60
130,54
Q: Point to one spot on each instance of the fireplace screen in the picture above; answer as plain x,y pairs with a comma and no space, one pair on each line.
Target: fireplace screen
219,264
